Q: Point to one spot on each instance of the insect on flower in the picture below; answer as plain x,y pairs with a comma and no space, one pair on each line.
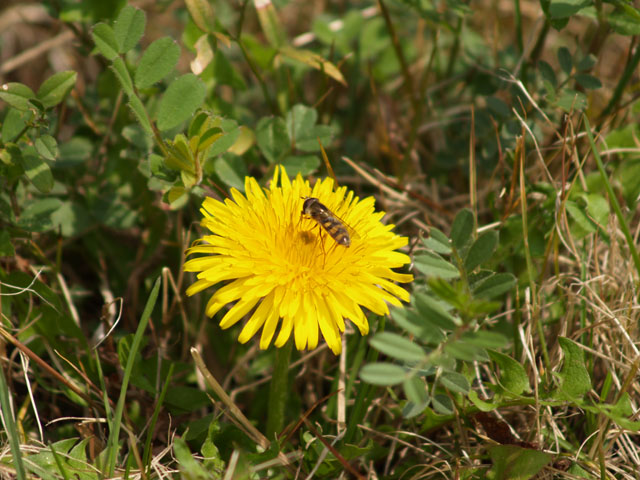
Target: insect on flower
327,220
266,267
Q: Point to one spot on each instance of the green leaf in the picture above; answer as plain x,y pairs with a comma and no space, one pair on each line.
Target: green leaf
105,40
303,131
560,9
598,208
494,285
223,142
17,95
202,13
571,101
466,352
245,140
574,377
481,250
438,242
36,216
177,197
411,322
74,152
455,382
129,28
587,62
37,170
15,122
442,404
482,405
565,59
625,20
462,229
511,462
498,107
302,164
183,97
433,265
6,246
157,61
415,390
513,377
587,81
396,346
485,339
226,73
382,374
231,170
547,72
180,155
72,218
47,146
431,311
56,87
272,138
123,76
188,465
136,106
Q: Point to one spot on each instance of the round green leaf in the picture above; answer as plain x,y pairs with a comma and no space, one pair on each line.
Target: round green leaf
17,95
272,138
416,390
382,374
513,377
180,101
56,87
157,61
129,27
396,346
37,170
14,124
302,164
455,382
47,146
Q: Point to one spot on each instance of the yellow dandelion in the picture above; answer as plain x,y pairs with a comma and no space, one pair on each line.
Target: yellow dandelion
289,271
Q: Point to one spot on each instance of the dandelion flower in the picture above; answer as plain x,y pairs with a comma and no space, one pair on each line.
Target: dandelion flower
288,271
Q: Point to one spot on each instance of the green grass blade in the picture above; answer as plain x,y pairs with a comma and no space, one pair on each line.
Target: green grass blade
146,456
10,427
112,443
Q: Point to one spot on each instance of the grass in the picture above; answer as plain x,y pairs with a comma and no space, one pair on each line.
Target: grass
501,139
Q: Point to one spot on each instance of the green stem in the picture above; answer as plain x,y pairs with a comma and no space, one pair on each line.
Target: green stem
622,83
612,197
279,391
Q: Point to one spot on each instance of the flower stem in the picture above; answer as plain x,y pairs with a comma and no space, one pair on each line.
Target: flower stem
278,391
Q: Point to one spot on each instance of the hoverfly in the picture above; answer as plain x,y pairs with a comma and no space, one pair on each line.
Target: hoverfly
327,220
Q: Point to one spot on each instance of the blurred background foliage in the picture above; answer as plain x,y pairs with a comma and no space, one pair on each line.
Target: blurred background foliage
518,354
